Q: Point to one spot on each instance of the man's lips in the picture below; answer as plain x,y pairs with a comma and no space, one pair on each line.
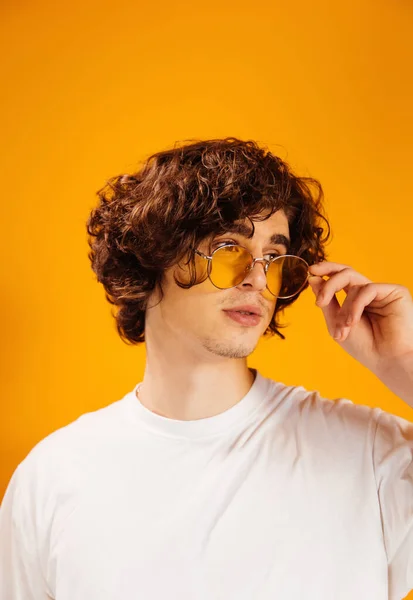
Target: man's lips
248,308
243,318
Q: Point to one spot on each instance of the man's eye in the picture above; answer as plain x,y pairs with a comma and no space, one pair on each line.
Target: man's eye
216,245
220,244
231,243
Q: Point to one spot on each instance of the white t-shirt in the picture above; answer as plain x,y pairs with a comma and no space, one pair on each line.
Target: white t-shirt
286,495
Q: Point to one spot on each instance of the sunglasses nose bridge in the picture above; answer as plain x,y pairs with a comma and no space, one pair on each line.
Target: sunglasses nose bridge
262,260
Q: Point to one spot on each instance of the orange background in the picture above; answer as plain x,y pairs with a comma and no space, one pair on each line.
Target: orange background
91,89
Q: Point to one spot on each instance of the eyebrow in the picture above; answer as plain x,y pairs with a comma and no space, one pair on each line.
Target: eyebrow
276,238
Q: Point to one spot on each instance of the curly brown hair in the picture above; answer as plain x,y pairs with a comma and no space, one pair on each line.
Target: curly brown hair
148,221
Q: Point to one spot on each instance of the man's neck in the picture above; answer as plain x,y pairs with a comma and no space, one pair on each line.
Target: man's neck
199,393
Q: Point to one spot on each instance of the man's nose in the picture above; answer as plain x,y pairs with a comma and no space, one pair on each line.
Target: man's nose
256,275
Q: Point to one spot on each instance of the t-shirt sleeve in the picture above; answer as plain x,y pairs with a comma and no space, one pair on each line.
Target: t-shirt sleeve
393,465
21,575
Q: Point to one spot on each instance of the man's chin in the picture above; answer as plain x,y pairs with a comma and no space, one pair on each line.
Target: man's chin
230,349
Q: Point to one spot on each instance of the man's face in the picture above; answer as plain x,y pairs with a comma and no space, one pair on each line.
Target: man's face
196,316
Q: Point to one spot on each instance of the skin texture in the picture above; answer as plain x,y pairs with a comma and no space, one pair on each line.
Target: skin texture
196,363
374,324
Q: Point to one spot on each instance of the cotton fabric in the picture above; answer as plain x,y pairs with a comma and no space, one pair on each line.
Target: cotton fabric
285,495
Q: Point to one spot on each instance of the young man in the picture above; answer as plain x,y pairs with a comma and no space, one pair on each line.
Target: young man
209,481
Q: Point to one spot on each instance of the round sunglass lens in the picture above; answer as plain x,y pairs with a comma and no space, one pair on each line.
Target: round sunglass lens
229,266
286,275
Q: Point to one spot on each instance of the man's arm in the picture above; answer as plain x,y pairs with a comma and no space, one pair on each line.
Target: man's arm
20,572
393,468
398,377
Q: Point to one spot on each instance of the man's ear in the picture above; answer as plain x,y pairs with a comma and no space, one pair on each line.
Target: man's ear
184,269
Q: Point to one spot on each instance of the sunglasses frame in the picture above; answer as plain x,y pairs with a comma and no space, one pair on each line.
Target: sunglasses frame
254,260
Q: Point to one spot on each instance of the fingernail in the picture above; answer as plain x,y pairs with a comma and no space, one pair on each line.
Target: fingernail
337,333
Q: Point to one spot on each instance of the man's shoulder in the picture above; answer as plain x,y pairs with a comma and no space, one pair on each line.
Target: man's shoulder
60,464
308,409
82,438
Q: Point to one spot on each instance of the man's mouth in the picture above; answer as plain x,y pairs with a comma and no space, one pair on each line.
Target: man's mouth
246,309
244,317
